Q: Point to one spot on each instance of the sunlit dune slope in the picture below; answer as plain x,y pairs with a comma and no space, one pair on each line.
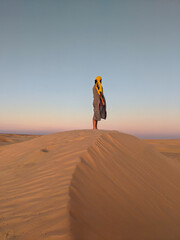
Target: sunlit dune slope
88,185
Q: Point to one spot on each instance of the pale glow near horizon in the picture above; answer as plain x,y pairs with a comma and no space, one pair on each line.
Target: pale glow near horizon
48,66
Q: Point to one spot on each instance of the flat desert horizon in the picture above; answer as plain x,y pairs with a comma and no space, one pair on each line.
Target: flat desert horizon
89,185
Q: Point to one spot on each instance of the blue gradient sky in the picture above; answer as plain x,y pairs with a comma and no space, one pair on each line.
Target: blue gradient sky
51,52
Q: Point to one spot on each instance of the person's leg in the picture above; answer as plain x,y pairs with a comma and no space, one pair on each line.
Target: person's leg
94,124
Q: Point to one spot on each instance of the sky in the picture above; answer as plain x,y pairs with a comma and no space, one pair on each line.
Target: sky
52,50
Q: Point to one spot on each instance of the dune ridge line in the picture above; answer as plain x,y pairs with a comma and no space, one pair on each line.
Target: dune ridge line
122,184
89,185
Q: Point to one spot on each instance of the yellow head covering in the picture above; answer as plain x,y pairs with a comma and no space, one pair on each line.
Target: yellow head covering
98,85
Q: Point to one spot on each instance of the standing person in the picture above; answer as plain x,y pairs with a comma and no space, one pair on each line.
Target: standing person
99,102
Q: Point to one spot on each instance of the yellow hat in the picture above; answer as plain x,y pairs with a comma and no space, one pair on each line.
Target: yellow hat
98,78
98,85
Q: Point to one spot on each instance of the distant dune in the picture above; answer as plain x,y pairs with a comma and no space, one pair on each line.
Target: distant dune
168,147
15,138
88,185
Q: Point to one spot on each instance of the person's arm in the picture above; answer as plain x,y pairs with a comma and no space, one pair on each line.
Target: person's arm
102,100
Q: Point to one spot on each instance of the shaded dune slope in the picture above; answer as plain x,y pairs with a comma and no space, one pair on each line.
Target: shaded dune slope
125,189
88,185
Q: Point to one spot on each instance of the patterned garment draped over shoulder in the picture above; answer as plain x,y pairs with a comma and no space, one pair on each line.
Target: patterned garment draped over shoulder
99,109
96,103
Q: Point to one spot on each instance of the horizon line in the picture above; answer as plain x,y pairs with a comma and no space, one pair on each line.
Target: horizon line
47,132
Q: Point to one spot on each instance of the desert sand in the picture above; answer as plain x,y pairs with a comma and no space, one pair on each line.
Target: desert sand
6,139
89,185
168,147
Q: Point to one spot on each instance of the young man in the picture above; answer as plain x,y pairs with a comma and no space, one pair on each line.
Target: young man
99,102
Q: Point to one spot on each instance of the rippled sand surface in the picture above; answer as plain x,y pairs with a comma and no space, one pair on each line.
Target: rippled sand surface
88,185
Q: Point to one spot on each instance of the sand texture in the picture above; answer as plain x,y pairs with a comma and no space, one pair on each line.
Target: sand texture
88,185
168,147
6,139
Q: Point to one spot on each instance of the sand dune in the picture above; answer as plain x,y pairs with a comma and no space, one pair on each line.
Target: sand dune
168,147
88,185
15,138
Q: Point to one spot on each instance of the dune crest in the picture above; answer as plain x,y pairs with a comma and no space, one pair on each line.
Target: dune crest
88,185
